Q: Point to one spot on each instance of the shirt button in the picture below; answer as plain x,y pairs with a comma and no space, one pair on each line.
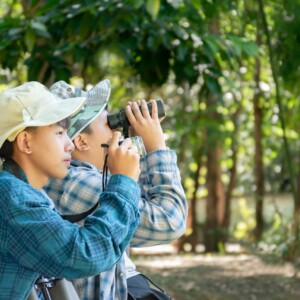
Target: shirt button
121,274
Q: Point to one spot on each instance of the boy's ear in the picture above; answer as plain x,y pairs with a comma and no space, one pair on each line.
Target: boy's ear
80,142
23,142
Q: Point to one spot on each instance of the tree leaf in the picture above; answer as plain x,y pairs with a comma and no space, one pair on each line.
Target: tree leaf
152,7
30,38
250,48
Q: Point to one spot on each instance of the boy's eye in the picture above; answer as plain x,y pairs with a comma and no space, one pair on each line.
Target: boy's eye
61,131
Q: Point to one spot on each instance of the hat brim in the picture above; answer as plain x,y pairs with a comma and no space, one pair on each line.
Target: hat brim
96,101
49,114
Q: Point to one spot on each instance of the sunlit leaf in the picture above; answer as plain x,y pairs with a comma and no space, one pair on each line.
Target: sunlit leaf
152,7
30,38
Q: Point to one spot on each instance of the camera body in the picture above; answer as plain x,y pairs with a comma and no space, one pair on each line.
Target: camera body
119,120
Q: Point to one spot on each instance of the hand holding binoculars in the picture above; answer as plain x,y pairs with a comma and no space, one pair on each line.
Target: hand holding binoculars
119,120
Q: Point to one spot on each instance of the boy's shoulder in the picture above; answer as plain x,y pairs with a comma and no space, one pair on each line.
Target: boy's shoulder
16,190
80,176
9,181
83,172
82,166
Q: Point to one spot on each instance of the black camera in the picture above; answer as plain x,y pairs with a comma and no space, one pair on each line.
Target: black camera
119,120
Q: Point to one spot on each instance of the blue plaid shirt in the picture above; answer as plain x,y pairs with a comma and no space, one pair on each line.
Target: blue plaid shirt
162,207
35,240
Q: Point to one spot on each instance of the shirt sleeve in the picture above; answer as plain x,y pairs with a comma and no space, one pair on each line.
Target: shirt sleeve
40,240
163,205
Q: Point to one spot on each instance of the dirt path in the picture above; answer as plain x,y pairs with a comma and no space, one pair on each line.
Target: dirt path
219,277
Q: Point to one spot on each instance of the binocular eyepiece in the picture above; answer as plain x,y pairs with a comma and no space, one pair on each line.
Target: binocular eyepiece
119,120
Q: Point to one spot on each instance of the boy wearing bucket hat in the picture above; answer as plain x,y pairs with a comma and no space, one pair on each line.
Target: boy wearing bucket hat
162,204
34,239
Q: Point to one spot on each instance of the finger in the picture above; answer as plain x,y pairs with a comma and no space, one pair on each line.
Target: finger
126,144
154,111
129,114
136,110
114,142
145,110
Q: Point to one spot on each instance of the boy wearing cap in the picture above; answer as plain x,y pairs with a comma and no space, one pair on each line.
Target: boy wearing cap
34,239
162,204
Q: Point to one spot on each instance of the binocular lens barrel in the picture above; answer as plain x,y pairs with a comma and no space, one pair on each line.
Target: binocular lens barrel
119,119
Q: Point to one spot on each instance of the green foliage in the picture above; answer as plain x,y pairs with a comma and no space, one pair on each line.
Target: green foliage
278,238
171,37
245,226
287,46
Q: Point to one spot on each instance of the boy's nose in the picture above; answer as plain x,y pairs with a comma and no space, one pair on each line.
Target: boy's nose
70,145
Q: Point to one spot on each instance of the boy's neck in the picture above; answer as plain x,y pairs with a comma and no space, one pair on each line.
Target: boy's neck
35,178
88,158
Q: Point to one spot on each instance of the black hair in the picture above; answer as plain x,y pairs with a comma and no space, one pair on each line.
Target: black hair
7,150
65,123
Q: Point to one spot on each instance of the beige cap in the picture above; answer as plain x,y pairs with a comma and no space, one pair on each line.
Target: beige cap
32,105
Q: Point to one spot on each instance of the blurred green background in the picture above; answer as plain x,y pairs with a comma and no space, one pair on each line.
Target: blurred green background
228,73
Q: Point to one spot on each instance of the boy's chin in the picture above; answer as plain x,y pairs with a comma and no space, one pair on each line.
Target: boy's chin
60,175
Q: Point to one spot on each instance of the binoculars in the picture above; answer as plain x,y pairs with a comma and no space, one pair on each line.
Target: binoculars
119,120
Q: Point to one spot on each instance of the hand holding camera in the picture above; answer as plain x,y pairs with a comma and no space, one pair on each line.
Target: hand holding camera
123,158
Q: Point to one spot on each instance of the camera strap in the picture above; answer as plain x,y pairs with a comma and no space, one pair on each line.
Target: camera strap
105,172
78,217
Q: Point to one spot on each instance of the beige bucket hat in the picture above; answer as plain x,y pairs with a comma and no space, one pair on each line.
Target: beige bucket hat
31,105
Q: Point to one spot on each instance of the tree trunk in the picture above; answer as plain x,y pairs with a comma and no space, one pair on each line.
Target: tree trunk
258,156
215,206
194,223
215,201
228,194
